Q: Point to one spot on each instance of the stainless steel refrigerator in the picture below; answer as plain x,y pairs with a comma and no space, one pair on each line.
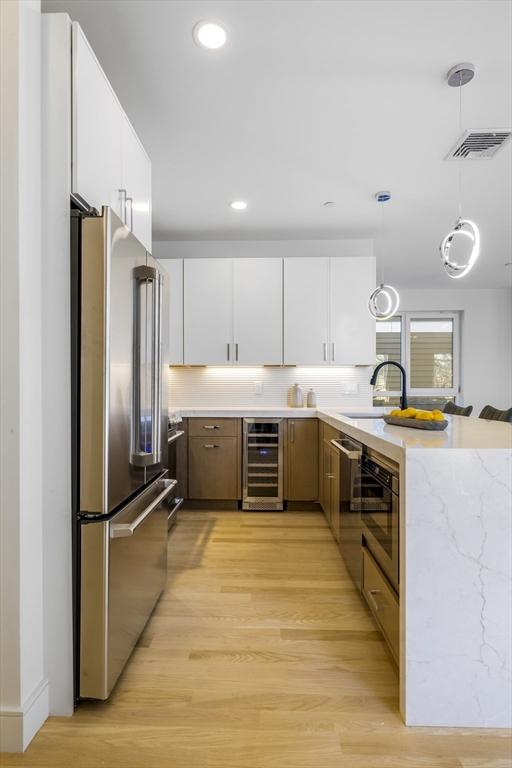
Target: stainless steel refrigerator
120,340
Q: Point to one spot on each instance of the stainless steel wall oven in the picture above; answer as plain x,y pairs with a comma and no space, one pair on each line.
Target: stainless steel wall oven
379,504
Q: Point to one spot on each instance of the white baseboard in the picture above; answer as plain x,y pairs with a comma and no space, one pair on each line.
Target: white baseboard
19,725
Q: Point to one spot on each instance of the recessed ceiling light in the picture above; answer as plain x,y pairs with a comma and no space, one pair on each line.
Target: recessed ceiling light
238,205
209,34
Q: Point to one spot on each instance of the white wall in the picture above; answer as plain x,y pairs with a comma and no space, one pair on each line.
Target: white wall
201,249
56,164
23,686
486,349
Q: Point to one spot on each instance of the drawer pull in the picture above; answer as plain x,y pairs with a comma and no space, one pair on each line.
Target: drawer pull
210,445
372,593
211,426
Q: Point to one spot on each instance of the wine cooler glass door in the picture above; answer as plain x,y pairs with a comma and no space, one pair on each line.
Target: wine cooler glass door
263,461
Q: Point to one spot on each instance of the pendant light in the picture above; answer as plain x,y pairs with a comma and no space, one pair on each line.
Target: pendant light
456,77
384,300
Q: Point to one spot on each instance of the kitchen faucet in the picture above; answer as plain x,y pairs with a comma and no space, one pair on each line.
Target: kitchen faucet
403,398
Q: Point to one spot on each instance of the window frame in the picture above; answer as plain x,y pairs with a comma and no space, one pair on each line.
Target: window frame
455,390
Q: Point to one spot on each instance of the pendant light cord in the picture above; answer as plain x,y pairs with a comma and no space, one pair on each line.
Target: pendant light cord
460,134
381,267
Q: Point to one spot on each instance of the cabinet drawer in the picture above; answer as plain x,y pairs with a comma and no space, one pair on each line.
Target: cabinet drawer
214,467
382,601
214,427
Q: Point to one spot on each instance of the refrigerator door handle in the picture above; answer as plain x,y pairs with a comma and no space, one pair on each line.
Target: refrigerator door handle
145,276
156,369
122,530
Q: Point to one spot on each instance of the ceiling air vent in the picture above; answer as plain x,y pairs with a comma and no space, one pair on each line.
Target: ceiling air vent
478,145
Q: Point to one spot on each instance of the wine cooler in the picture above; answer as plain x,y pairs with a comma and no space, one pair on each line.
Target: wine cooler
263,464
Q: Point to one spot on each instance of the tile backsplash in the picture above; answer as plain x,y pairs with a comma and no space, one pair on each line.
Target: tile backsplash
229,386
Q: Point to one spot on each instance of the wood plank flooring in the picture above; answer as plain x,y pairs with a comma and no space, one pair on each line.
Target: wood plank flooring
260,654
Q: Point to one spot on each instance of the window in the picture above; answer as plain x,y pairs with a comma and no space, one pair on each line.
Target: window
427,345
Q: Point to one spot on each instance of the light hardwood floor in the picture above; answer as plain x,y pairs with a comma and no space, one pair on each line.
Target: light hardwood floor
260,654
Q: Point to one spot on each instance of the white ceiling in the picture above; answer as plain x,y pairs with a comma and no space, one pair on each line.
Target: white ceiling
314,101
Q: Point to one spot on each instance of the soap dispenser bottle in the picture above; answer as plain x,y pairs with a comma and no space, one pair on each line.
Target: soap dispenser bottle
296,396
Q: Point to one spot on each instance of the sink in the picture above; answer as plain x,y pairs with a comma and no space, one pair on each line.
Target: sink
362,415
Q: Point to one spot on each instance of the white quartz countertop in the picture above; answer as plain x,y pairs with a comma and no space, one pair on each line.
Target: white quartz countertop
462,432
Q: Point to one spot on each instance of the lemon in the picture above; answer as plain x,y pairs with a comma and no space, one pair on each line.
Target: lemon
438,415
425,416
396,412
409,413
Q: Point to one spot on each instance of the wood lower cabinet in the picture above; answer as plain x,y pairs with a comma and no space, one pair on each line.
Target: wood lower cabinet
382,601
302,460
214,459
213,468
326,433
332,488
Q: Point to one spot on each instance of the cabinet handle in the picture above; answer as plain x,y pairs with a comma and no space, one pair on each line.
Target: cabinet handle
211,426
228,345
210,445
130,200
122,193
236,352
372,594
292,435
331,477
325,351
333,351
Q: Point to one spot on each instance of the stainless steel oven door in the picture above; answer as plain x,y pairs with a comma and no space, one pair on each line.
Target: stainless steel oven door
379,506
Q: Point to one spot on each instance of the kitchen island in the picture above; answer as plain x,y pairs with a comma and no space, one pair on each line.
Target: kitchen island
455,560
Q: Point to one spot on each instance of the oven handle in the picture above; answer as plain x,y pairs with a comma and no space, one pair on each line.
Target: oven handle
352,455
174,437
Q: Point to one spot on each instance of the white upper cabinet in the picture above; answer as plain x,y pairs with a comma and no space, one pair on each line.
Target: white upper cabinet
232,311
258,311
306,311
109,164
136,184
352,330
174,270
326,318
208,311
97,119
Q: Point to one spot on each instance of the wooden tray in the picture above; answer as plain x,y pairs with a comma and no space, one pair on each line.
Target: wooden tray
433,426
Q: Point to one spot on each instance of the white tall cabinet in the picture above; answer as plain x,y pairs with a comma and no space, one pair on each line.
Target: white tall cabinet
136,184
96,130
232,311
110,165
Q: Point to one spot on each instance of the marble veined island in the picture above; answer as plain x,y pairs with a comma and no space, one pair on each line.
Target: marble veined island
455,561
455,566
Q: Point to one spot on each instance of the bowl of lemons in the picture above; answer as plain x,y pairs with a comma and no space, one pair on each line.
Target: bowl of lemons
417,419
